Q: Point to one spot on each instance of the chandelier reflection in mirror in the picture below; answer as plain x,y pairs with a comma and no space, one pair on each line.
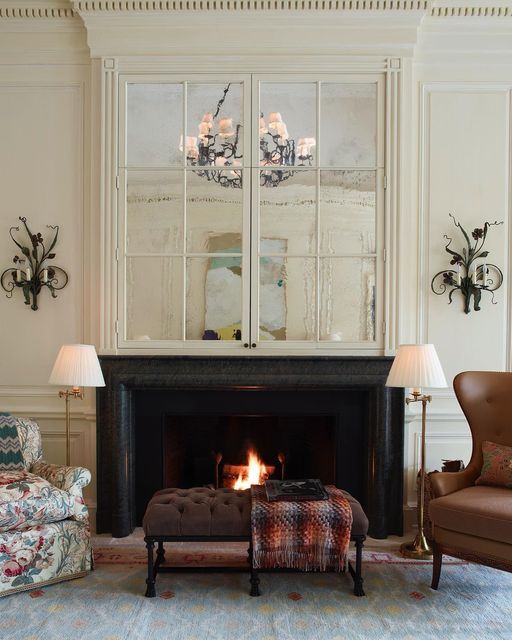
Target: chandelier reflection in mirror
216,146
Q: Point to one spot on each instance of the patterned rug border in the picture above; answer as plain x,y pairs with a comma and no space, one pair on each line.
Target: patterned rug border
135,555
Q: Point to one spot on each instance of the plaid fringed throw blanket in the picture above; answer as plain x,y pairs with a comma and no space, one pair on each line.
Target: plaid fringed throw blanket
306,535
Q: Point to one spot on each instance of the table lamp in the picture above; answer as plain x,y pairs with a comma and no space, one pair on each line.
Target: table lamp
76,366
416,366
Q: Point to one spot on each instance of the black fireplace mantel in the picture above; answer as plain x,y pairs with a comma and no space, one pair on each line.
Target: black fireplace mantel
126,374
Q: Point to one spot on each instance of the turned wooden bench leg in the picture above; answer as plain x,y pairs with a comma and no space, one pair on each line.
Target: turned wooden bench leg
358,574
150,580
160,555
255,580
436,566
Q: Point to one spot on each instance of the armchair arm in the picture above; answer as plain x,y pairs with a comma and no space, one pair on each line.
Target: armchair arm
446,482
70,479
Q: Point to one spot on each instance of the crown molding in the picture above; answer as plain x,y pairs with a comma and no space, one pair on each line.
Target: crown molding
45,9
162,6
471,9
131,28
61,9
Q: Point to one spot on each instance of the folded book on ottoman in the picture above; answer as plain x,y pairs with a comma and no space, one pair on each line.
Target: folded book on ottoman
307,489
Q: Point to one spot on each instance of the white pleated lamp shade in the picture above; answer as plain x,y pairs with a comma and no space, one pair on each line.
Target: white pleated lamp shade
416,366
77,365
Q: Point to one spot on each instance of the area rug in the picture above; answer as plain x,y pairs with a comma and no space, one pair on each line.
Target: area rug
225,554
473,603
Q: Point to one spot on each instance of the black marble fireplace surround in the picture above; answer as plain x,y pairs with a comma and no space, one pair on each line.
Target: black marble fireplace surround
146,395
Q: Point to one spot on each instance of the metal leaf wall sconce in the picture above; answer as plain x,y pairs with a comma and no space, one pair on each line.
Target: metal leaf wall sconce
32,271
470,278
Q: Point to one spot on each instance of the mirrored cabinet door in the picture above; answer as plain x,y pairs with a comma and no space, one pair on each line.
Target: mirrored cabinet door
184,274
251,212
319,212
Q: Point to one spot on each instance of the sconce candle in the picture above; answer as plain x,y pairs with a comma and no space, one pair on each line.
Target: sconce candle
38,273
468,273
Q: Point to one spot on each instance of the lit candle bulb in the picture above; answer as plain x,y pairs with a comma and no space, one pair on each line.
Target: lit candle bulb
29,274
45,275
458,274
484,274
226,127
18,275
474,276
204,128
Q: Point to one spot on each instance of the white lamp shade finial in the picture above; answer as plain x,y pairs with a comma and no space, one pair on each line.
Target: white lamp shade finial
77,365
416,366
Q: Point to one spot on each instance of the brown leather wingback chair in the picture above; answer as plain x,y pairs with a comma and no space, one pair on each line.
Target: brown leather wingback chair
469,521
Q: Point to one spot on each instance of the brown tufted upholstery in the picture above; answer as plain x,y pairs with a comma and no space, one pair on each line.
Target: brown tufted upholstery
471,521
199,511
214,512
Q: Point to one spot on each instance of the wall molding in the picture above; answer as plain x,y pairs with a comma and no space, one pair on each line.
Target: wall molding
70,8
469,10
27,392
250,5
39,10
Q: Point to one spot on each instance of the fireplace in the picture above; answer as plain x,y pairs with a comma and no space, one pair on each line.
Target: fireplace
181,421
197,427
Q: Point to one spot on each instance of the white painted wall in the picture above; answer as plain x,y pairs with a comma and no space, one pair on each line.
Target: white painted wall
454,142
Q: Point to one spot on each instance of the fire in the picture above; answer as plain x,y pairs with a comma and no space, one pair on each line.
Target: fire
254,473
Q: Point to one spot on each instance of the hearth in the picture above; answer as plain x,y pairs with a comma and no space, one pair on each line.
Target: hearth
186,421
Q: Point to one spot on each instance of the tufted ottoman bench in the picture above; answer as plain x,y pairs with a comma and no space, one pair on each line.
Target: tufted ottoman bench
205,514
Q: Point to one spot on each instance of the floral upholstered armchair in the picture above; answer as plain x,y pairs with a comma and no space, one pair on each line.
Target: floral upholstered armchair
44,523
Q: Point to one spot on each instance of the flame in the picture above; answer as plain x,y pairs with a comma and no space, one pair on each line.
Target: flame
256,472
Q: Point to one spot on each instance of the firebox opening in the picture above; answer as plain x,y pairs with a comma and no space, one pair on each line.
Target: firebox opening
193,445
180,434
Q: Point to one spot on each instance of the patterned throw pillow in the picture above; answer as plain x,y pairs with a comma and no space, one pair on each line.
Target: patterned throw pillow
497,465
11,457
27,500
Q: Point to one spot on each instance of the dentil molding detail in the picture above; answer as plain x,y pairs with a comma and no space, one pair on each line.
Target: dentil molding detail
250,5
58,9
437,9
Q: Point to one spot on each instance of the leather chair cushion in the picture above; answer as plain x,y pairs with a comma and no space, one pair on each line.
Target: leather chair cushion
481,511
202,511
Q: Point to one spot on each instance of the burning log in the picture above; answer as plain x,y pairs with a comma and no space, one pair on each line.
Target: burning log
242,476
